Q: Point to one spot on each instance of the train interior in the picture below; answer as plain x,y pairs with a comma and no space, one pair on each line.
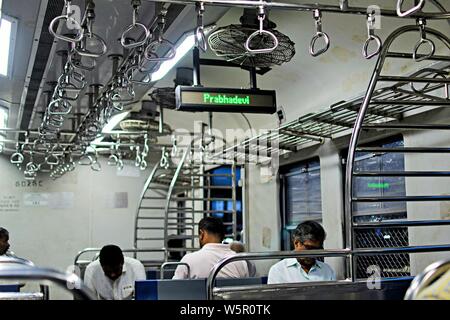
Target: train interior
127,122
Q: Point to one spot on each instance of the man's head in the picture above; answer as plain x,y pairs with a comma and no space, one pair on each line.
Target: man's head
237,247
4,241
308,235
111,260
210,230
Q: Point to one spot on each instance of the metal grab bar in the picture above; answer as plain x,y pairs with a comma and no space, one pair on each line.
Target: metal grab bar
319,34
21,269
87,250
124,40
267,256
421,281
163,266
315,253
150,50
411,11
371,37
67,18
423,40
260,32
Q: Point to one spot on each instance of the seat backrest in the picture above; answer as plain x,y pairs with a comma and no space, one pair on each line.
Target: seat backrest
189,289
9,288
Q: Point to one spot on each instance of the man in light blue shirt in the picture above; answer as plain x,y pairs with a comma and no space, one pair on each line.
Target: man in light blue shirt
308,235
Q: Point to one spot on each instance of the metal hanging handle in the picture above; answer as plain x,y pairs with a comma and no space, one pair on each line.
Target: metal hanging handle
150,50
200,38
260,32
423,41
319,34
164,162
135,26
371,37
66,17
92,54
54,108
17,158
411,11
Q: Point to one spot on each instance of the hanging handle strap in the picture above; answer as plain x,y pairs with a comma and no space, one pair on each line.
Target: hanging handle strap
423,42
135,26
200,38
417,7
371,37
261,32
319,34
68,19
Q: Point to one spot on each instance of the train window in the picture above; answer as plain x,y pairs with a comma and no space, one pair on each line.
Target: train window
222,203
391,265
8,29
3,124
301,197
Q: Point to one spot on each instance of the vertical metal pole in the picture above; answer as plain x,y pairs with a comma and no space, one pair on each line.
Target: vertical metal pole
253,78
161,120
233,197
196,63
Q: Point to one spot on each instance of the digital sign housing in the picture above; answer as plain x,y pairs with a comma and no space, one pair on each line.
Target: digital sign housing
225,100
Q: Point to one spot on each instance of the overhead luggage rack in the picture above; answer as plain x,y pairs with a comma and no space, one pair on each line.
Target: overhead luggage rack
387,106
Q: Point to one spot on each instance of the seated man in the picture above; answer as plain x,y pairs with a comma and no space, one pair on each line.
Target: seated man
238,247
308,235
211,235
112,276
4,243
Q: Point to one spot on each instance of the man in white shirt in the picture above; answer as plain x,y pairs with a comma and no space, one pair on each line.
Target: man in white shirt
308,235
112,276
211,235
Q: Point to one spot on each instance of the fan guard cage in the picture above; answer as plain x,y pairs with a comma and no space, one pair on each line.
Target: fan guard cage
229,42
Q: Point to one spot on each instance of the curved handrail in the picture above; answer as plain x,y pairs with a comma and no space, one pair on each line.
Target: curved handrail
70,282
163,266
82,51
357,129
422,280
150,51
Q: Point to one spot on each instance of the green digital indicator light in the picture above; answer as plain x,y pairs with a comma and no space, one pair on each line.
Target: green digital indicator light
385,185
224,99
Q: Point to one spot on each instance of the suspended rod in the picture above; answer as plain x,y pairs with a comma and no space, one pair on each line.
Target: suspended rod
303,7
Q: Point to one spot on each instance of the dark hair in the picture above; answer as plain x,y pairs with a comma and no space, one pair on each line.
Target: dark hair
213,225
111,256
4,234
309,230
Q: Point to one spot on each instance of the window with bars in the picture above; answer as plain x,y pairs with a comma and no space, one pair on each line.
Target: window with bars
301,198
395,265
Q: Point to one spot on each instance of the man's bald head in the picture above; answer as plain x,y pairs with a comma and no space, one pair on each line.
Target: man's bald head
237,247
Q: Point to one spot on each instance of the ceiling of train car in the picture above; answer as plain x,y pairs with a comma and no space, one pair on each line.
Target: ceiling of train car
112,18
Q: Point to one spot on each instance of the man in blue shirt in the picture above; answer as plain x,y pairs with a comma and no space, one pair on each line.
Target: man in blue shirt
308,235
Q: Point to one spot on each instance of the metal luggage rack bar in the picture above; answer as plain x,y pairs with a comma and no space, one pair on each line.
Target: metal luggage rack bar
390,105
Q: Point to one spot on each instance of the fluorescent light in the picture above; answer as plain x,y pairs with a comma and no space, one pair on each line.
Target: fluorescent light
5,42
114,121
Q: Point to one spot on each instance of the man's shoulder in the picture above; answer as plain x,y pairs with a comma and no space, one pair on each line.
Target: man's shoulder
325,266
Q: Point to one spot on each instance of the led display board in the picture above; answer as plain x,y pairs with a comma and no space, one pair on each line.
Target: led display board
225,100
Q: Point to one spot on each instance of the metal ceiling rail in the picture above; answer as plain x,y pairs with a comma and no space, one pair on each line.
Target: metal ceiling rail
343,7
389,105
